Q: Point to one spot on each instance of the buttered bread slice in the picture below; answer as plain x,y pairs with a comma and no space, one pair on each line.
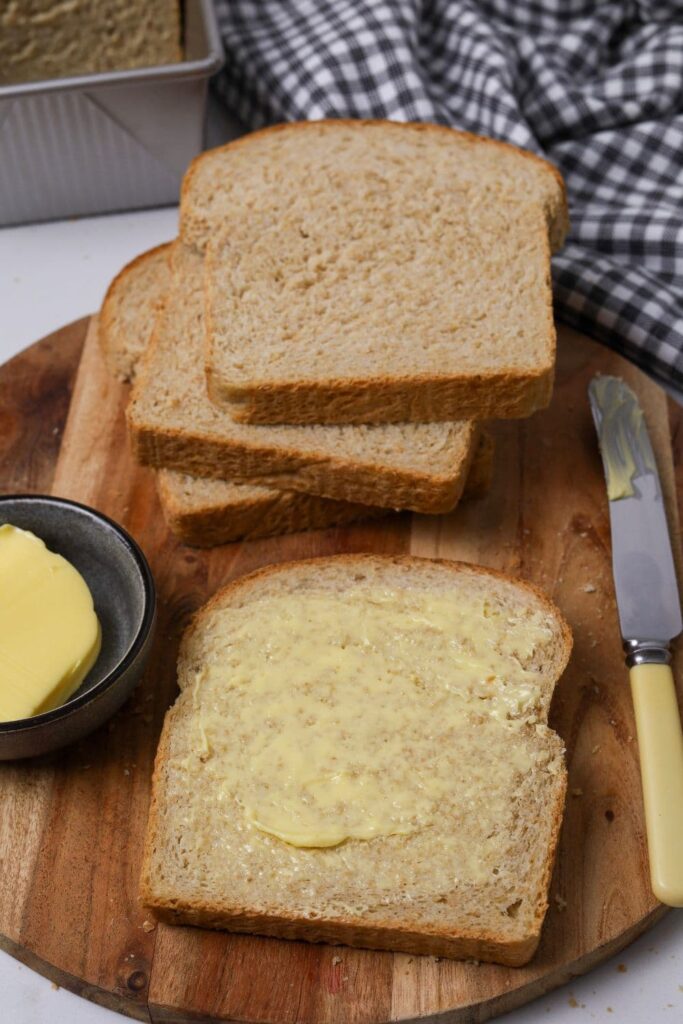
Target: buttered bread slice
360,754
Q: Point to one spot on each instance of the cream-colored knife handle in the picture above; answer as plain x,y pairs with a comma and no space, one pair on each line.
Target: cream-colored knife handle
660,743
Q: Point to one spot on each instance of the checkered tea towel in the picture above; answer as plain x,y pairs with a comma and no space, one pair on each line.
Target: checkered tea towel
595,86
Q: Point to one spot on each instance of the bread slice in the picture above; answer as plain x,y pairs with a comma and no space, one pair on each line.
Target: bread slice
427,824
204,512
371,272
173,425
129,310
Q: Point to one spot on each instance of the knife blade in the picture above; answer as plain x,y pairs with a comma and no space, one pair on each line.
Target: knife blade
649,609
644,570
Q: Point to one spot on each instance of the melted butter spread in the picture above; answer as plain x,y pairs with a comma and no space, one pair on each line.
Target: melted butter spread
624,445
332,717
49,633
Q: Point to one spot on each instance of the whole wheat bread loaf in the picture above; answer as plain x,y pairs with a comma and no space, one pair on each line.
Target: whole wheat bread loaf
446,846
173,425
43,39
365,272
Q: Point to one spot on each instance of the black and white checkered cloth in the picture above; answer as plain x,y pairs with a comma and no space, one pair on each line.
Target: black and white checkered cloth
596,86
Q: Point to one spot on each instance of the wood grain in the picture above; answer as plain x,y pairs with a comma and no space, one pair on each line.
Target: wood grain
36,391
71,824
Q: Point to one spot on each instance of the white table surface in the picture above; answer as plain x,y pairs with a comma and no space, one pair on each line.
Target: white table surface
53,273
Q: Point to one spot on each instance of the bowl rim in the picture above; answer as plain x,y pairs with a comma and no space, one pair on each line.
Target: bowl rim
137,643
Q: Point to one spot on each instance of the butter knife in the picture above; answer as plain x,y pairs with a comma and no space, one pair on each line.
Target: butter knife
650,618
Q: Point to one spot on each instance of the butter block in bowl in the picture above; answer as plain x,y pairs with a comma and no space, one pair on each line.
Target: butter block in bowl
77,632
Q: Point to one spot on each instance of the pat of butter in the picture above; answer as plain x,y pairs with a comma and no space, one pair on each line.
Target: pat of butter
626,450
49,633
351,715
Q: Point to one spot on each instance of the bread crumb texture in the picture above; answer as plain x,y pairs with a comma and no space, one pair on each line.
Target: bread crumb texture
387,760
46,39
375,257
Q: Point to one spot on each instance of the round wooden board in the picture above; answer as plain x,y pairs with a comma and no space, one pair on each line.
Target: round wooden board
72,824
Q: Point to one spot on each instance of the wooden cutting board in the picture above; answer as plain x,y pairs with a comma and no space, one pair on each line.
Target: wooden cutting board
72,824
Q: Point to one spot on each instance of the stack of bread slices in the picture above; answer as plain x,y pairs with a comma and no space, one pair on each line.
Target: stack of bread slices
346,303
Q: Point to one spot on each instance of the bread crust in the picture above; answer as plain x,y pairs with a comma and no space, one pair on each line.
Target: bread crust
385,487
351,930
279,512
422,398
276,513
114,355
557,216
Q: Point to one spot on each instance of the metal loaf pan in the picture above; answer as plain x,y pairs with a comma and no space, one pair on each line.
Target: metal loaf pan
118,140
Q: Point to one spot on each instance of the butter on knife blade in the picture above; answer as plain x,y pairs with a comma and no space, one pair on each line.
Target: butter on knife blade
624,442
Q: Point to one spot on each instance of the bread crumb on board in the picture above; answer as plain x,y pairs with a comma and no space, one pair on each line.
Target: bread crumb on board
560,901
336,960
577,791
148,926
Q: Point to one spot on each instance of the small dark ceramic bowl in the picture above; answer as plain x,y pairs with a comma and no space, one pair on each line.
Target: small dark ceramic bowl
122,587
